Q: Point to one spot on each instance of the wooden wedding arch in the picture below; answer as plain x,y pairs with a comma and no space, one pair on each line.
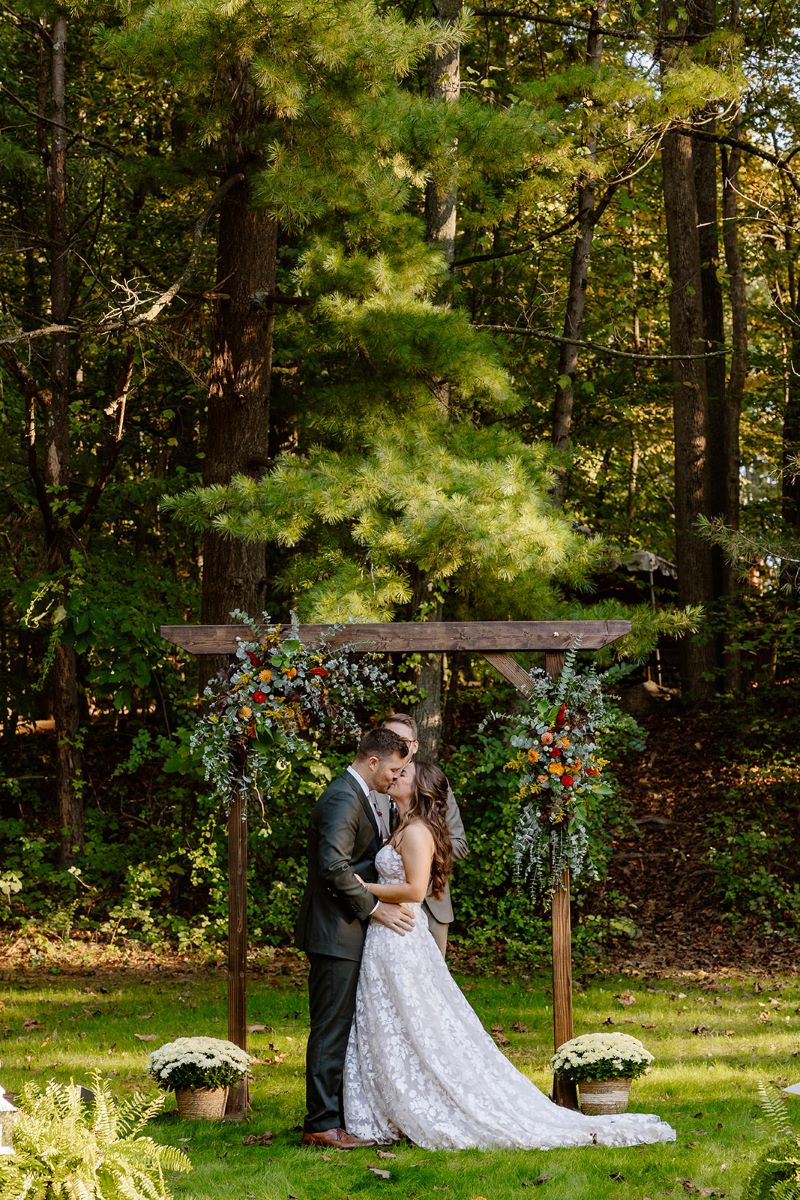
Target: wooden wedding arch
494,640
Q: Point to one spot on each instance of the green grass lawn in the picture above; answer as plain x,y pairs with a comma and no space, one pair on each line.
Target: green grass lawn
714,1038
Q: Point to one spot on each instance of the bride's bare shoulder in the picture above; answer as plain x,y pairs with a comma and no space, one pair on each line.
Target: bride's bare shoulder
415,833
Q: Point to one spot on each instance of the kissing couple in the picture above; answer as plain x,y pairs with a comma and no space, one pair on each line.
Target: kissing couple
394,1048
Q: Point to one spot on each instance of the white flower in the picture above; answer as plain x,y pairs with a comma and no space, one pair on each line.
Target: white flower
610,1054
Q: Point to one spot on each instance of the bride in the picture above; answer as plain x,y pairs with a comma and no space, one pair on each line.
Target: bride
419,1063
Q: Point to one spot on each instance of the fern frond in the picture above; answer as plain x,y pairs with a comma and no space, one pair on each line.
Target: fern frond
775,1112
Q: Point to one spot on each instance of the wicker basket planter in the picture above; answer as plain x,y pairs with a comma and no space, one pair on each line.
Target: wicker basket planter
201,1104
602,1097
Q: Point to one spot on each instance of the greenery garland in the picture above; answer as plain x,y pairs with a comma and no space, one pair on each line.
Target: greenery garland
560,769
277,692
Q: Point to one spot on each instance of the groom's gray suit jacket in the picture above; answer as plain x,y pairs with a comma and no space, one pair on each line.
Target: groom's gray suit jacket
343,840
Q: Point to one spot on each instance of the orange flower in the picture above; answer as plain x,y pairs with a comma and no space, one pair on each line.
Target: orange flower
555,768
290,672
546,738
245,712
533,755
265,676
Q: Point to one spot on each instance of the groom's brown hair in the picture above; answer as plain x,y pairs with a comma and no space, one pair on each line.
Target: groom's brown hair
381,743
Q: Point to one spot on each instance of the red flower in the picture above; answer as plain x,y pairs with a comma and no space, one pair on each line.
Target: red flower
556,752
561,715
567,780
254,659
320,671
259,696
592,771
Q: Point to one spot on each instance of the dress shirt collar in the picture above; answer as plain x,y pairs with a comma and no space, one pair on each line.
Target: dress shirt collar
362,782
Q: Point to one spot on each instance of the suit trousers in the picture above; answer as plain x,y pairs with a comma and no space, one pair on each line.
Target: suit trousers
438,929
332,986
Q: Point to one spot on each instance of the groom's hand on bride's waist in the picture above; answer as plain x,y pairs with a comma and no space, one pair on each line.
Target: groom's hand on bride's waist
398,917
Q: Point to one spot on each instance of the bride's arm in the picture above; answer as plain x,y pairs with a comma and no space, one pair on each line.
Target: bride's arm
416,851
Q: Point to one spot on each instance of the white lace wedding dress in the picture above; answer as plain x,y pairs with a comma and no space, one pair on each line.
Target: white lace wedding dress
420,1064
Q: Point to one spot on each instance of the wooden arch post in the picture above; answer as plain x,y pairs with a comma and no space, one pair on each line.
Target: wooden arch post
495,640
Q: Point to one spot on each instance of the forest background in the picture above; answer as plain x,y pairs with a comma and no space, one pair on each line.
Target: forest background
383,311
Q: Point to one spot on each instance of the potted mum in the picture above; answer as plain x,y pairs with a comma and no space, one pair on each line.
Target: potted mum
603,1066
199,1070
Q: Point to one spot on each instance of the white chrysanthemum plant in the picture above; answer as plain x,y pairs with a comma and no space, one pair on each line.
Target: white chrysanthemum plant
601,1056
198,1062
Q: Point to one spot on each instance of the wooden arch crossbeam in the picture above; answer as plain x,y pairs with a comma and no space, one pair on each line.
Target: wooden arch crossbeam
495,641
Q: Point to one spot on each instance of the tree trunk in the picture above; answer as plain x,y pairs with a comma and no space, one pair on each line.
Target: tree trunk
441,192
689,386
736,381
441,198
564,401
693,556
234,571
55,401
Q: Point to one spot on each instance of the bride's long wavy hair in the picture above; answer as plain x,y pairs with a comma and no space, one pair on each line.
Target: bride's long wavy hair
429,804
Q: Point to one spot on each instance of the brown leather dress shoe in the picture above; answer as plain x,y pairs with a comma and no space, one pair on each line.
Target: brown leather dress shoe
336,1139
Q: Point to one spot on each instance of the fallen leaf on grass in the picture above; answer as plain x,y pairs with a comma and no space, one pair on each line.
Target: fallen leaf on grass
651,1025
31,1023
256,1028
536,1182
625,998
696,1189
499,1036
385,1154
617,1176
380,1172
258,1139
146,1037
139,1016
701,1030
520,1027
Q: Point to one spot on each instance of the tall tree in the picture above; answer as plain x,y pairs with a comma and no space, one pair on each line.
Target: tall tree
237,432
441,207
579,269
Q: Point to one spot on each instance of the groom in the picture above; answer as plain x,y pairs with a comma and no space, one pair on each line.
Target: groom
345,834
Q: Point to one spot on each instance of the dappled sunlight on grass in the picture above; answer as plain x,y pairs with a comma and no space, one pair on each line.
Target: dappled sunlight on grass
714,1040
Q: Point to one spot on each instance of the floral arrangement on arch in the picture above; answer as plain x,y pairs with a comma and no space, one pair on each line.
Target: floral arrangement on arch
198,1062
278,690
560,772
601,1056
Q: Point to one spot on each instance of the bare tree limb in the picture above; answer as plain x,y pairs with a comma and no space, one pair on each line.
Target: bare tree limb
546,335
540,18
74,133
126,317
723,139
